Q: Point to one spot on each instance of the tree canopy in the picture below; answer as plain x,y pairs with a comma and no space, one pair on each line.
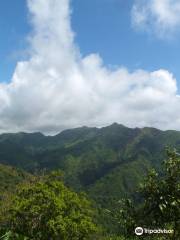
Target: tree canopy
46,209
157,202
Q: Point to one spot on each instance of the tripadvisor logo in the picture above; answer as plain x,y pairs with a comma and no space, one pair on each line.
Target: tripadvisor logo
139,231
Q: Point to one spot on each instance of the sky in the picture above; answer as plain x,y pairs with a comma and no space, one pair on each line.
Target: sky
65,64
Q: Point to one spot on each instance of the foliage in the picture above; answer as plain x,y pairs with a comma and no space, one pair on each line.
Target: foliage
12,236
160,200
10,177
46,209
107,163
90,155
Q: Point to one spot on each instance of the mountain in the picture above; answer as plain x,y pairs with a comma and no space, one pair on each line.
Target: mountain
106,162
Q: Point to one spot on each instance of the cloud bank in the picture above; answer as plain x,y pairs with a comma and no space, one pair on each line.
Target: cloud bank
57,88
161,17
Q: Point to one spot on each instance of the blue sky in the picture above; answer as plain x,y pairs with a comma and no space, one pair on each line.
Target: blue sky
101,26
89,63
14,28
107,29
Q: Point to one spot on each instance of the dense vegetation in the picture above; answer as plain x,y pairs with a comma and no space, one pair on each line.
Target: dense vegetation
108,164
92,158
10,177
158,205
45,209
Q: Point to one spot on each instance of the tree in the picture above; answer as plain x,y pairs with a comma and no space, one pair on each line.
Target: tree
46,209
159,197
162,195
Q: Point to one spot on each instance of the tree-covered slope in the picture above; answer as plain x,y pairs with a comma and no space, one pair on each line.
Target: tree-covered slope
103,161
10,177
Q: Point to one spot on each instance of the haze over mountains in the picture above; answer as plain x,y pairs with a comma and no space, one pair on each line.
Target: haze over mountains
106,162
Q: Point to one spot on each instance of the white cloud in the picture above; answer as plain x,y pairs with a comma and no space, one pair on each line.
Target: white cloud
57,88
161,17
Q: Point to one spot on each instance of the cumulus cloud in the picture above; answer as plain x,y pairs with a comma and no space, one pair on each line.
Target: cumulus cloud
57,88
161,17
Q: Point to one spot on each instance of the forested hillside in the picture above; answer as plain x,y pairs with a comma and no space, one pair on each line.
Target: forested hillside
107,163
10,177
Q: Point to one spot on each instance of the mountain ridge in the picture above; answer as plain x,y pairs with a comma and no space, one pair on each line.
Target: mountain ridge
106,160
115,124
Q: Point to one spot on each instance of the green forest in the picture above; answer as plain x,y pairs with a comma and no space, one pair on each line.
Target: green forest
90,183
